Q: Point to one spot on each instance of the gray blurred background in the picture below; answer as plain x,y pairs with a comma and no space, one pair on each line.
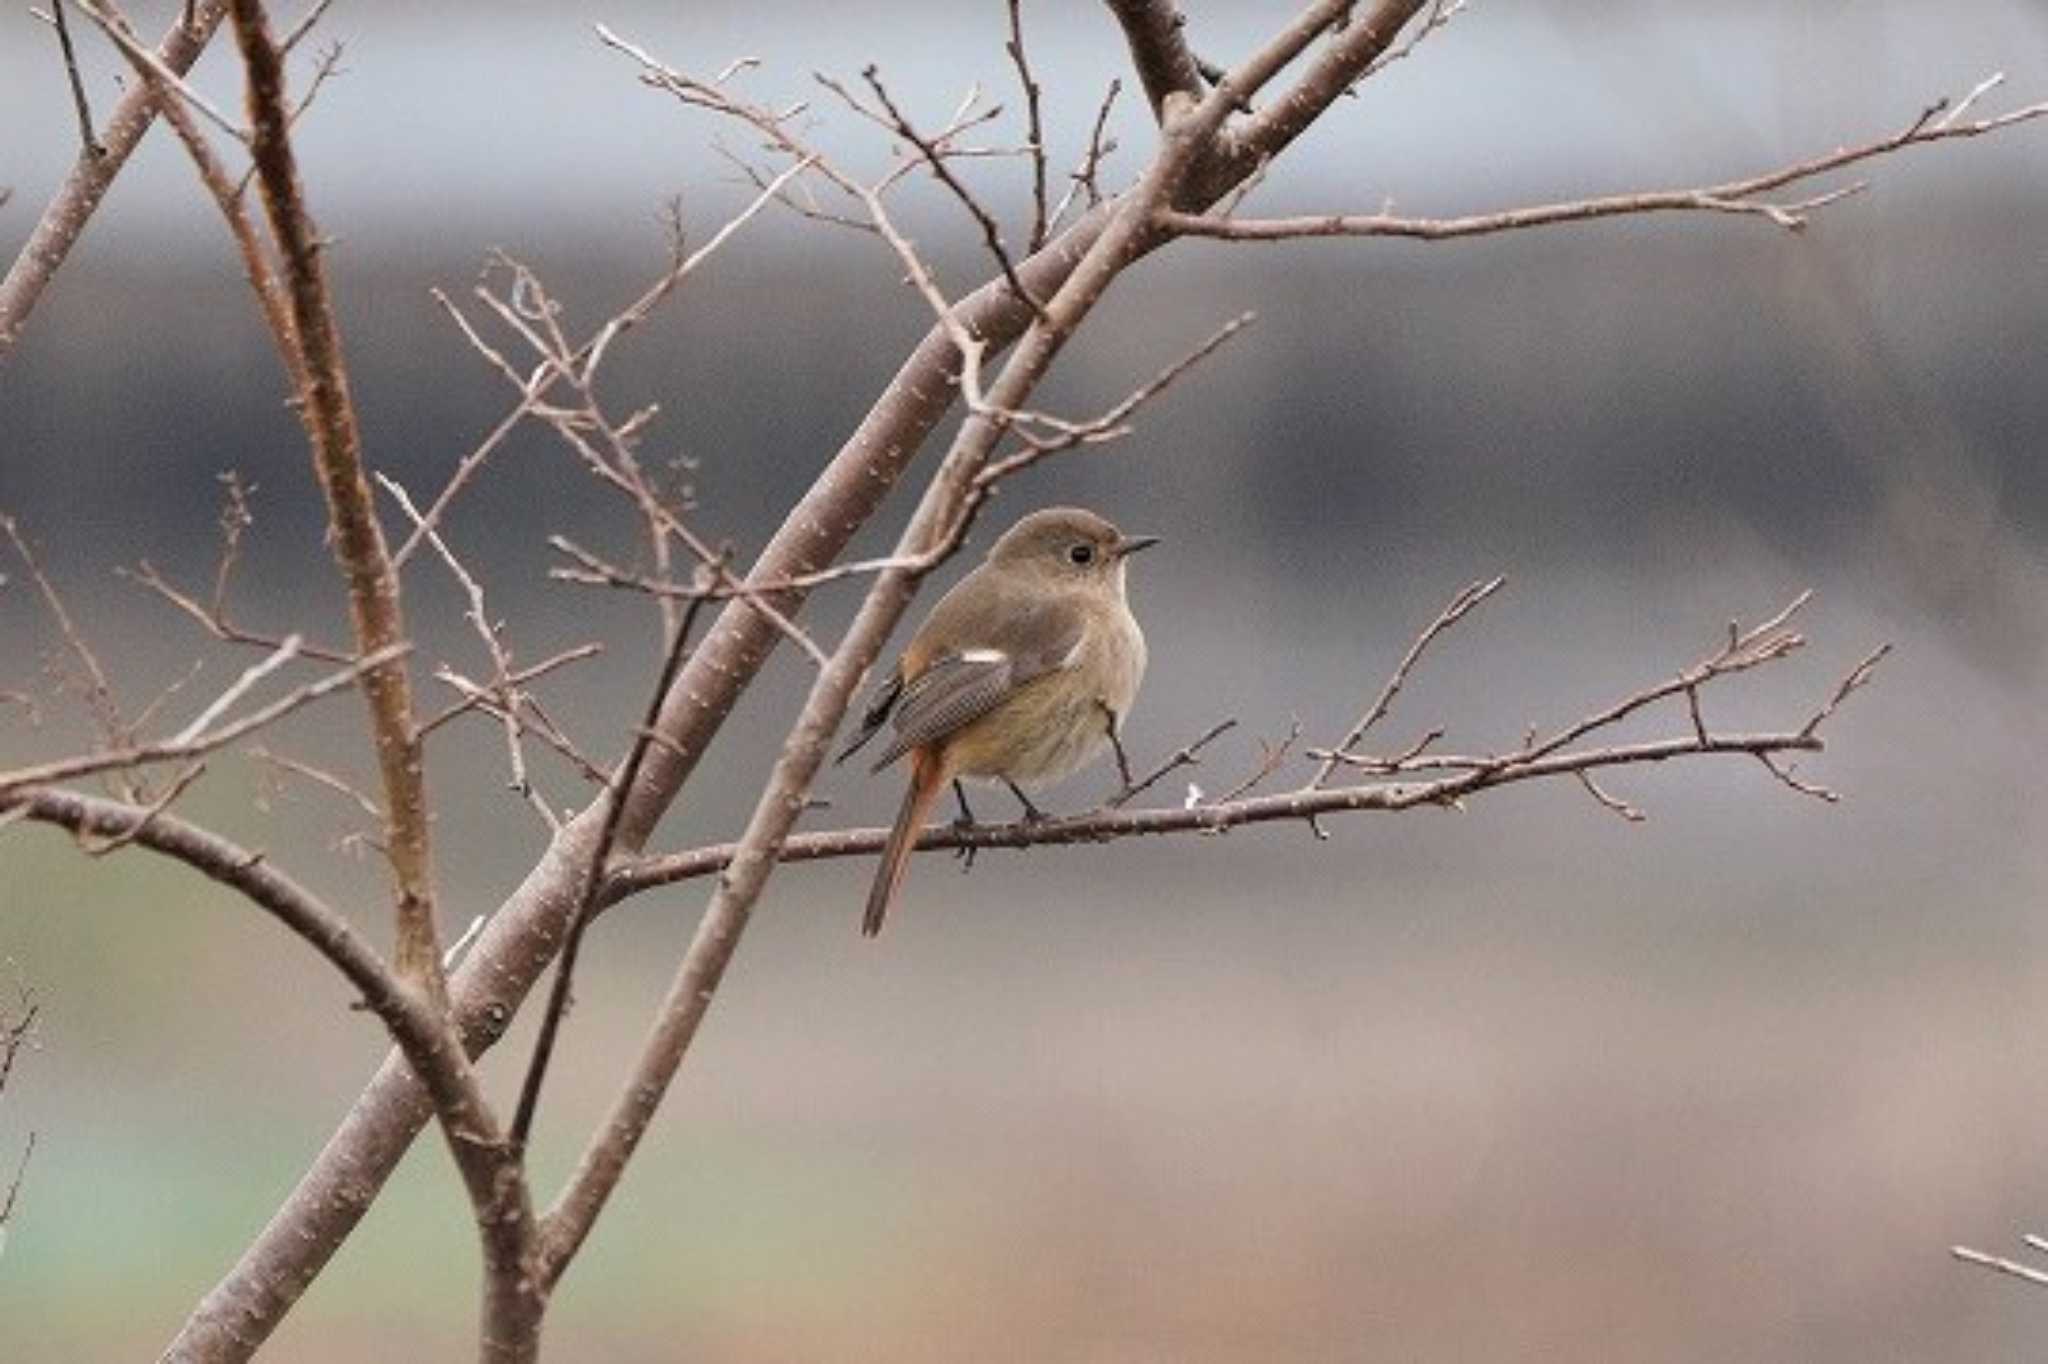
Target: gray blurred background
1521,1082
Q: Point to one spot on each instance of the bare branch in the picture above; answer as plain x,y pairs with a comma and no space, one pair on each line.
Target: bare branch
1609,802
1159,50
14,1185
99,692
116,28
533,389
991,232
284,654
1857,677
593,880
198,744
78,100
1187,756
415,1024
487,630
319,776
2004,1266
1459,606
1108,426
517,680
1103,825
1273,757
214,618
72,206
1081,180
1732,196
1441,12
1034,124
356,537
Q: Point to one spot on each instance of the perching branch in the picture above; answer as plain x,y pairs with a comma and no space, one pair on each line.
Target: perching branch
1426,781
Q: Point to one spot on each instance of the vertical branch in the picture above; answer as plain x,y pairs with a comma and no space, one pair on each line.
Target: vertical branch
365,560
72,207
1034,124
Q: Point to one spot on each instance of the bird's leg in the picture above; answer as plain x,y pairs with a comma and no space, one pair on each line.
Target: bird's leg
964,822
1032,814
1116,743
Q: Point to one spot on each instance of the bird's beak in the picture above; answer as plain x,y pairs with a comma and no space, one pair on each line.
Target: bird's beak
1131,544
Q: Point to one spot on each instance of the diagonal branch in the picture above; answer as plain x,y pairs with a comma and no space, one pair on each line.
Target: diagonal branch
413,1021
72,207
1377,711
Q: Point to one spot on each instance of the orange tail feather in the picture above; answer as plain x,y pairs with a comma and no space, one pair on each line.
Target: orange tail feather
927,779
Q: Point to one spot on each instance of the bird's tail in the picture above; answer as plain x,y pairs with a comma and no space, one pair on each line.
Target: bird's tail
927,777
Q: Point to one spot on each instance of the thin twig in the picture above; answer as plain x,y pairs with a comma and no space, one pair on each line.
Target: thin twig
86,139
592,882
319,776
1034,124
1273,758
1082,179
116,28
1459,605
1188,755
1733,196
517,681
991,232
2002,1265
136,755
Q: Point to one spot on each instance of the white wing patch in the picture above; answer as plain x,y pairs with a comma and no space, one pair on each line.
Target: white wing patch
983,656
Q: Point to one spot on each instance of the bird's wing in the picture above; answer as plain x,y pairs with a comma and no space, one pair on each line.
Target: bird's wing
964,683
880,703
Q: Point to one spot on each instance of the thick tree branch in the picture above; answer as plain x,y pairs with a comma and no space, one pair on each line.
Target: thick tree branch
75,201
1159,49
418,1028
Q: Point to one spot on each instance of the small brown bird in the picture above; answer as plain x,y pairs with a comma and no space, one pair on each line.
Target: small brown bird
1022,673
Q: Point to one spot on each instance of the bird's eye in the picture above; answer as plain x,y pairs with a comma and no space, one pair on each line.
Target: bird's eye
1082,554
